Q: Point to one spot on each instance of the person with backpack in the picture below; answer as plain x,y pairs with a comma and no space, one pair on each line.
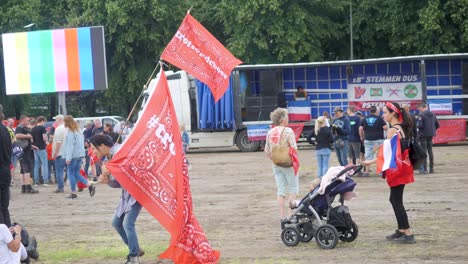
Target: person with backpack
282,136
397,178
427,126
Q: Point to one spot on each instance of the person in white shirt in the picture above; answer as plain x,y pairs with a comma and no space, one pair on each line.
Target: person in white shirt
57,151
11,249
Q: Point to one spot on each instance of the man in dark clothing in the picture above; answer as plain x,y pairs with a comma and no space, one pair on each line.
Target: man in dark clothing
5,175
39,135
354,138
371,132
341,128
427,126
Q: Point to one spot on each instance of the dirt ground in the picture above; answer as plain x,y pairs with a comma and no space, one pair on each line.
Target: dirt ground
234,201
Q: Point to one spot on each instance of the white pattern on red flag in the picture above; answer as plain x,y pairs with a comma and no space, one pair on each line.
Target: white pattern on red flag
150,166
196,51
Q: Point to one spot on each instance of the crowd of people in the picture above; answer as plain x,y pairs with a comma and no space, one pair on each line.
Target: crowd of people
356,139
52,155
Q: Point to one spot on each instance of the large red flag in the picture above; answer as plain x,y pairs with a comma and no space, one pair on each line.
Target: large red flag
150,166
196,51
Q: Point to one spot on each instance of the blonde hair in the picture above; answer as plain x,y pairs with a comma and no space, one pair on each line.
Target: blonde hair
320,120
278,116
71,124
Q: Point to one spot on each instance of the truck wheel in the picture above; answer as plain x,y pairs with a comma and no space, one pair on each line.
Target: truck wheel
244,144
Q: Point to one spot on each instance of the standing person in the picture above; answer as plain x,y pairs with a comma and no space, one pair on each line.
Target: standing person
185,143
5,174
109,131
73,152
362,149
327,118
57,152
427,126
22,133
39,135
300,94
11,129
88,134
323,140
128,209
354,138
341,128
371,132
282,134
397,178
97,129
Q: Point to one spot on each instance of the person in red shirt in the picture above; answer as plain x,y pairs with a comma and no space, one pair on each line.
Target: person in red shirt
401,125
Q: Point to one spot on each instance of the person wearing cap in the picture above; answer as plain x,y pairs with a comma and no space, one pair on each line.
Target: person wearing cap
57,152
341,128
371,132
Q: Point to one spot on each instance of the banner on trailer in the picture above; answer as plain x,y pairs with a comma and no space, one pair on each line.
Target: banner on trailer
441,106
257,132
59,60
367,89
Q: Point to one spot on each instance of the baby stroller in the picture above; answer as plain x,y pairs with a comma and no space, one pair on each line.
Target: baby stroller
314,215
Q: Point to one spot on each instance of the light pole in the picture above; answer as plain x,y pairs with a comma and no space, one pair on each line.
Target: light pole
351,27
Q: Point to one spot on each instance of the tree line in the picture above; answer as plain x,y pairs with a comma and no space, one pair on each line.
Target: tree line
255,31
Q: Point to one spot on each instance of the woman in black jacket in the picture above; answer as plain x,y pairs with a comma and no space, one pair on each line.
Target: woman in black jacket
323,143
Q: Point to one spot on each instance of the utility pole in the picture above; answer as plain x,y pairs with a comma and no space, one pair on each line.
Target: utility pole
351,28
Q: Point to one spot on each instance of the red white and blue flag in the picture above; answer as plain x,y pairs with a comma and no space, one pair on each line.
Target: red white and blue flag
299,111
387,156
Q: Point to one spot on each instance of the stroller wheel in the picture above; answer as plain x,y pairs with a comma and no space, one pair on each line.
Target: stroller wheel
305,237
290,236
326,236
349,235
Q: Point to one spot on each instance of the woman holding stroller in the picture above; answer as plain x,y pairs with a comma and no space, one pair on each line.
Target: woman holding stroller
401,124
281,134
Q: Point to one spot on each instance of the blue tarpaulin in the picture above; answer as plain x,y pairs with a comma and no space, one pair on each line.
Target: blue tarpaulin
215,116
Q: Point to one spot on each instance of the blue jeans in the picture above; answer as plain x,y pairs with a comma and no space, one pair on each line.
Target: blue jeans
342,153
40,159
59,167
369,146
73,172
323,157
125,226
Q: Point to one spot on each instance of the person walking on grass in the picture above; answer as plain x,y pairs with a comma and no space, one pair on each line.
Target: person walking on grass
73,153
399,177
128,209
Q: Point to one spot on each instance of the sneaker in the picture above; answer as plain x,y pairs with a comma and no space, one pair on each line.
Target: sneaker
36,185
92,189
72,196
132,260
422,172
395,235
405,239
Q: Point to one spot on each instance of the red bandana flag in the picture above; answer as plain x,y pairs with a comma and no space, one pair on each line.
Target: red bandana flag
196,51
150,166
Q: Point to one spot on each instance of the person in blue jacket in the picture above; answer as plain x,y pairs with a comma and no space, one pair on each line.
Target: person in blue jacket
341,128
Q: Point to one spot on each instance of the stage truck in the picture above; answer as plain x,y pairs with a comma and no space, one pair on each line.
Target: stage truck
242,116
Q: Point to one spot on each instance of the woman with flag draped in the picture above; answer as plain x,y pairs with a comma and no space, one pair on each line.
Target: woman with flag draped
393,160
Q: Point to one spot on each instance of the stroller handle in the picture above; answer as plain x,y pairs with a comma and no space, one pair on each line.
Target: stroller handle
356,168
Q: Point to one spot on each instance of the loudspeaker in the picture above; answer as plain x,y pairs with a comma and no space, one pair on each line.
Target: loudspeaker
465,88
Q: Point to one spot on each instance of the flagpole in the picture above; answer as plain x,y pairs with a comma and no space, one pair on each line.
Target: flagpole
138,99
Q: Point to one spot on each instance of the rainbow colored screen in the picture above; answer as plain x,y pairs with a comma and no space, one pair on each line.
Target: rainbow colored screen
61,60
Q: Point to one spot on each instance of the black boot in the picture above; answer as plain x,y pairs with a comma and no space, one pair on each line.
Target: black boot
30,189
23,188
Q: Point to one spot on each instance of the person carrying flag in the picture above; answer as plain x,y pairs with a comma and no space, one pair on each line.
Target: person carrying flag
393,160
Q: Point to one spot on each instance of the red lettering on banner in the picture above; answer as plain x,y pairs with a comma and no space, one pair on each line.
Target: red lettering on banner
150,166
196,51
